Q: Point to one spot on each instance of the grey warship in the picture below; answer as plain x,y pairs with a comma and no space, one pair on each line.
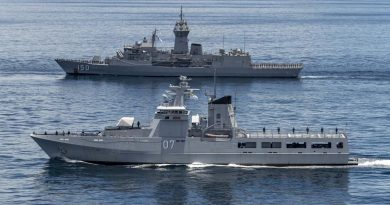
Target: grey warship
176,136
145,59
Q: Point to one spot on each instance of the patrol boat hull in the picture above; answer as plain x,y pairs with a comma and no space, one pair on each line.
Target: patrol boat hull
169,151
176,137
75,67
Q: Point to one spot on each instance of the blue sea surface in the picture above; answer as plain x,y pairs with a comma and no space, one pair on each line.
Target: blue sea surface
344,44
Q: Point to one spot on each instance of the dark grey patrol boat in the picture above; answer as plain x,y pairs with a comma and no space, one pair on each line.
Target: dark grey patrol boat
175,136
145,59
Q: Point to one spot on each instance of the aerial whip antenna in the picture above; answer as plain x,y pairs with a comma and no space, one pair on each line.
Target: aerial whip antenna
223,42
181,13
215,83
213,95
244,41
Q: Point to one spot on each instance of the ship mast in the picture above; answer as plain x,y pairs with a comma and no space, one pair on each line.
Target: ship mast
181,13
181,31
179,92
154,37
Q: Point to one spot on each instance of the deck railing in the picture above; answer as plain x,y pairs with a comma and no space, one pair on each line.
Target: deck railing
69,133
277,65
81,61
261,134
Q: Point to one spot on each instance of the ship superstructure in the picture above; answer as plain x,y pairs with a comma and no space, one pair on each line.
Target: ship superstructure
176,136
145,59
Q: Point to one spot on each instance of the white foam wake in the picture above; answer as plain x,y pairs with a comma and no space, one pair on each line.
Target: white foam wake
140,166
200,165
74,161
365,162
150,165
316,77
248,166
203,165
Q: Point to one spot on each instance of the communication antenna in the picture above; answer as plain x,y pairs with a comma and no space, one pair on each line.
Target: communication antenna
244,41
215,82
214,95
235,99
154,35
181,13
223,42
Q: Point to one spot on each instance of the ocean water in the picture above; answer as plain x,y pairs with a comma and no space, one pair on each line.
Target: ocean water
344,45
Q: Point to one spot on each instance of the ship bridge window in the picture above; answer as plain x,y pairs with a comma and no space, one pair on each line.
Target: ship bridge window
276,145
296,145
266,145
246,145
340,145
321,145
271,145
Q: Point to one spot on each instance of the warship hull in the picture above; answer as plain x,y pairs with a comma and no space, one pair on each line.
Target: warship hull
144,58
174,136
74,67
192,150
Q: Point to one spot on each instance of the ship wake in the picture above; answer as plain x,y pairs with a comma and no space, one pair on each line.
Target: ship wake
374,163
363,163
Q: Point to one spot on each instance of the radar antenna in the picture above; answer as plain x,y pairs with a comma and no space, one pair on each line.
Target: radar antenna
177,93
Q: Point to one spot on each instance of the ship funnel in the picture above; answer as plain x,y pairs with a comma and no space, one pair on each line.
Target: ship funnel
196,49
